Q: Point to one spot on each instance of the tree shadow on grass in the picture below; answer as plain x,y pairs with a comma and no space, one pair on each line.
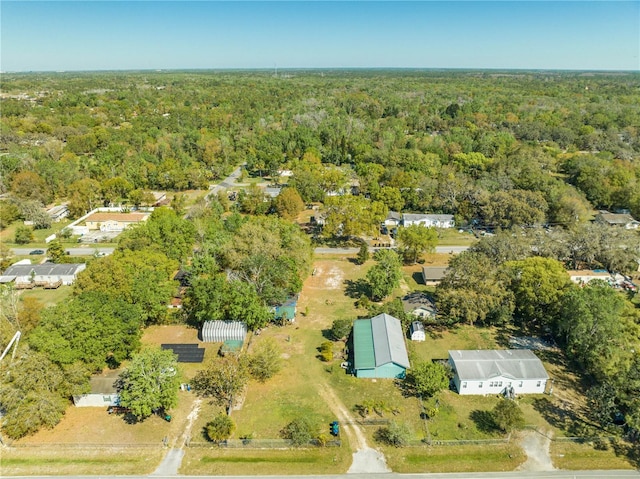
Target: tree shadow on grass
356,289
563,417
483,421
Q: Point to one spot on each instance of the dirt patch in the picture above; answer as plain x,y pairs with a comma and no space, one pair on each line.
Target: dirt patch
536,447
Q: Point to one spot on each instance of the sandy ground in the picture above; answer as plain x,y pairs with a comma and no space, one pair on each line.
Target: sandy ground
536,447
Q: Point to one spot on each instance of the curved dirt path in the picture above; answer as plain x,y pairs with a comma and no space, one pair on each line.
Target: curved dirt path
366,460
536,447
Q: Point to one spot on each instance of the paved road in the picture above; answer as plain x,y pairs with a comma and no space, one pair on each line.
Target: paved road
228,182
467,475
81,251
439,249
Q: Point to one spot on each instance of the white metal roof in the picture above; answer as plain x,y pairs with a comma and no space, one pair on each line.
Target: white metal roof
388,341
486,364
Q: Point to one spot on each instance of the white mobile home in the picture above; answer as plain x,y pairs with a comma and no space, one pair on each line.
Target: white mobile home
498,371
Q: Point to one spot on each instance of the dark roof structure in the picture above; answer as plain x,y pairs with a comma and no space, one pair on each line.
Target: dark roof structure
187,353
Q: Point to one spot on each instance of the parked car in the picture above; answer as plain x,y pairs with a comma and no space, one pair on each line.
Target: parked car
37,251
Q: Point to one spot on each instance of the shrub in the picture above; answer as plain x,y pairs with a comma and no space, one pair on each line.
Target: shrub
395,434
220,429
299,431
326,351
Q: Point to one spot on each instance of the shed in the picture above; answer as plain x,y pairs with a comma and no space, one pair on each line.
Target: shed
286,310
220,331
417,331
510,371
103,392
378,348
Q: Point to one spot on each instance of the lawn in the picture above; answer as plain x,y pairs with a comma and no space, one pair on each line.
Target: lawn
228,462
576,456
48,297
84,461
493,458
452,237
7,235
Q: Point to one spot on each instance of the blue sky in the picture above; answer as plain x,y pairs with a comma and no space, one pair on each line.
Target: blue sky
94,35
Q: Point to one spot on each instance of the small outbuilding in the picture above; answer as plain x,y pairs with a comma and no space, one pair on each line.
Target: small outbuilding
379,350
103,391
509,372
220,331
417,331
286,310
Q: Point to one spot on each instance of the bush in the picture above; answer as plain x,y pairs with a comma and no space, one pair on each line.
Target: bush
265,362
395,434
220,429
507,415
326,351
341,328
23,235
299,431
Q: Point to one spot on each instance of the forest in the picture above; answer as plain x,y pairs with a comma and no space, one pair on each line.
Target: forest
553,146
531,156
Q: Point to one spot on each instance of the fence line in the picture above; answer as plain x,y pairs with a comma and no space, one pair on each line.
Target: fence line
260,444
120,446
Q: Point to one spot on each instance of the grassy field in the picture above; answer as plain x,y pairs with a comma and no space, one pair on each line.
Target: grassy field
48,297
500,457
452,237
7,235
575,456
56,460
214,461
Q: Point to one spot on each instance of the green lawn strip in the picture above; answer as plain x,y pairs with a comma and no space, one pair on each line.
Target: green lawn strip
482,458
331,460
35,461
583,456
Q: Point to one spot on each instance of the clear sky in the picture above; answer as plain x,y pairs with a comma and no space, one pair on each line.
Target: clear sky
95,35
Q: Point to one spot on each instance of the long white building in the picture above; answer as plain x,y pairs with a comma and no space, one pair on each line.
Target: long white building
497,371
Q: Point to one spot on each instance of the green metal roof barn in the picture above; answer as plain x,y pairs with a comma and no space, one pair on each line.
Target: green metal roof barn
378,348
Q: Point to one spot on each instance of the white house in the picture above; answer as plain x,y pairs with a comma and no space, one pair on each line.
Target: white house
42,274
436,221
517,371
417,331
103,392
419,305
585,276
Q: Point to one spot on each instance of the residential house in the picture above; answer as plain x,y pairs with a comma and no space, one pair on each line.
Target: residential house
621,220
432,275
379,350
428,220
419,304
112,221
46,274
585,276
509,372
391,222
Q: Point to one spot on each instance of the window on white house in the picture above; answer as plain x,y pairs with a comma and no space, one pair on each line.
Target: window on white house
539,383
520,385
464,384
480,384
